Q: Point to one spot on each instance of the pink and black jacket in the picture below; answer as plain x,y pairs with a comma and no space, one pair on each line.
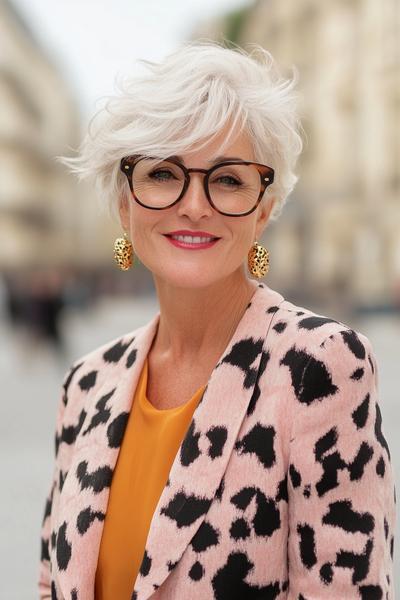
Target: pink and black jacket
282,487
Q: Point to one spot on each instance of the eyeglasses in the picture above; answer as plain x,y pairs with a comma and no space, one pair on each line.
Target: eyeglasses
233,187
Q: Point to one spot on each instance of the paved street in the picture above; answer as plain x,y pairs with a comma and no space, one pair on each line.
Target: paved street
31,383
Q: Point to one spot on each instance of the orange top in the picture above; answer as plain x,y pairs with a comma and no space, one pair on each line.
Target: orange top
150,443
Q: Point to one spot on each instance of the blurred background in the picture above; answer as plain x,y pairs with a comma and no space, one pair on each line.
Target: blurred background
335,249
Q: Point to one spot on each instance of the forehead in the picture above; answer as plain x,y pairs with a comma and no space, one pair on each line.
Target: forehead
219,147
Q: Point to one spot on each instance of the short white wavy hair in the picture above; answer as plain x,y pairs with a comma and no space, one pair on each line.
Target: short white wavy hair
182,102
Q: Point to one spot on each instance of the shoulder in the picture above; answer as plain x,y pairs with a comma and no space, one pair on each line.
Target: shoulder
316,355
329,369
315,332
88,371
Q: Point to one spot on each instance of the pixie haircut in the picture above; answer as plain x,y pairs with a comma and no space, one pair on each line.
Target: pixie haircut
181,103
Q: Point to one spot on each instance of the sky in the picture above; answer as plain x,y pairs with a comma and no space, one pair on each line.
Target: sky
94,40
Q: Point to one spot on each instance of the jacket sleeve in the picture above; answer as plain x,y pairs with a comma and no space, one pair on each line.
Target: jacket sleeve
44,579
341,489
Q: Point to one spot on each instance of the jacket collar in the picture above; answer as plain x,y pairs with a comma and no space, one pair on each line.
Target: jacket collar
192,482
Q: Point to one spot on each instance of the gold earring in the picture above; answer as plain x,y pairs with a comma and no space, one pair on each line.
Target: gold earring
123,252
258,260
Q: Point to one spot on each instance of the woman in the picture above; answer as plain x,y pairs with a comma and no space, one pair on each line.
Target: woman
251,458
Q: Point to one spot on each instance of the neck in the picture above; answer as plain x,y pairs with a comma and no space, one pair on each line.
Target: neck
200,321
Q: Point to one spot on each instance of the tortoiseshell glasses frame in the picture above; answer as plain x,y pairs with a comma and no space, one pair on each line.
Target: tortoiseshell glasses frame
266,173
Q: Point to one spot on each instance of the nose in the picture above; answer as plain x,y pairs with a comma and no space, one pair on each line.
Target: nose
194,203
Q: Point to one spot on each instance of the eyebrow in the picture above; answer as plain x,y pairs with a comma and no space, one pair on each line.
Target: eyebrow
214,161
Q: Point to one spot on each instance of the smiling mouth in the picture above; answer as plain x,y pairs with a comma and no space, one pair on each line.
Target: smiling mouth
188,243
192,239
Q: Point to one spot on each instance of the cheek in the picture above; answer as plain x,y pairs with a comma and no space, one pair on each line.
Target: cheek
237,249
142,224
245,234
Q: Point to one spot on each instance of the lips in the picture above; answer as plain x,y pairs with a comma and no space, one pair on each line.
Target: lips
170,235
192,233
191,245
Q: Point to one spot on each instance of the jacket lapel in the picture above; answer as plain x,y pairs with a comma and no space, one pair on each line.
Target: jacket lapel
197,470
83,500
201,460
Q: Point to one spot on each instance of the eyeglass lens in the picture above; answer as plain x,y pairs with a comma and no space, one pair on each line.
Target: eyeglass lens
233,188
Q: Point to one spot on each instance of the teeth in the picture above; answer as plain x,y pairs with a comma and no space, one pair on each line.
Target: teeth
191,239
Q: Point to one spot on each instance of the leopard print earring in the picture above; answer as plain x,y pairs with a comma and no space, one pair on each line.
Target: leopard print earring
258,260
123,252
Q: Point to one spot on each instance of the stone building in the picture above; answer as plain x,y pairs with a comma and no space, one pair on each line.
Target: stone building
38,120
46,217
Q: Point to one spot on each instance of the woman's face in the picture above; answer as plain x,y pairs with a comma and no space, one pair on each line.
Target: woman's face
198,268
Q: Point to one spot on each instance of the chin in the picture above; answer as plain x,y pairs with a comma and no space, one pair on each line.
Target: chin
190,279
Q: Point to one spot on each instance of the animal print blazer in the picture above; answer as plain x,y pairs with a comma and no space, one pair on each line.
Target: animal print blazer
282,487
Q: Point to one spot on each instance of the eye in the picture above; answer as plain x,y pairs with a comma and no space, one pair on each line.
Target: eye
161,175
227,180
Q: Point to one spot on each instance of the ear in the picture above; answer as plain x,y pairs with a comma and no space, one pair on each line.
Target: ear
124,215
264,214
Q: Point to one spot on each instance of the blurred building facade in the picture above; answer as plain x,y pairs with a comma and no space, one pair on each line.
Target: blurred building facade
47,218
339,233
38,120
